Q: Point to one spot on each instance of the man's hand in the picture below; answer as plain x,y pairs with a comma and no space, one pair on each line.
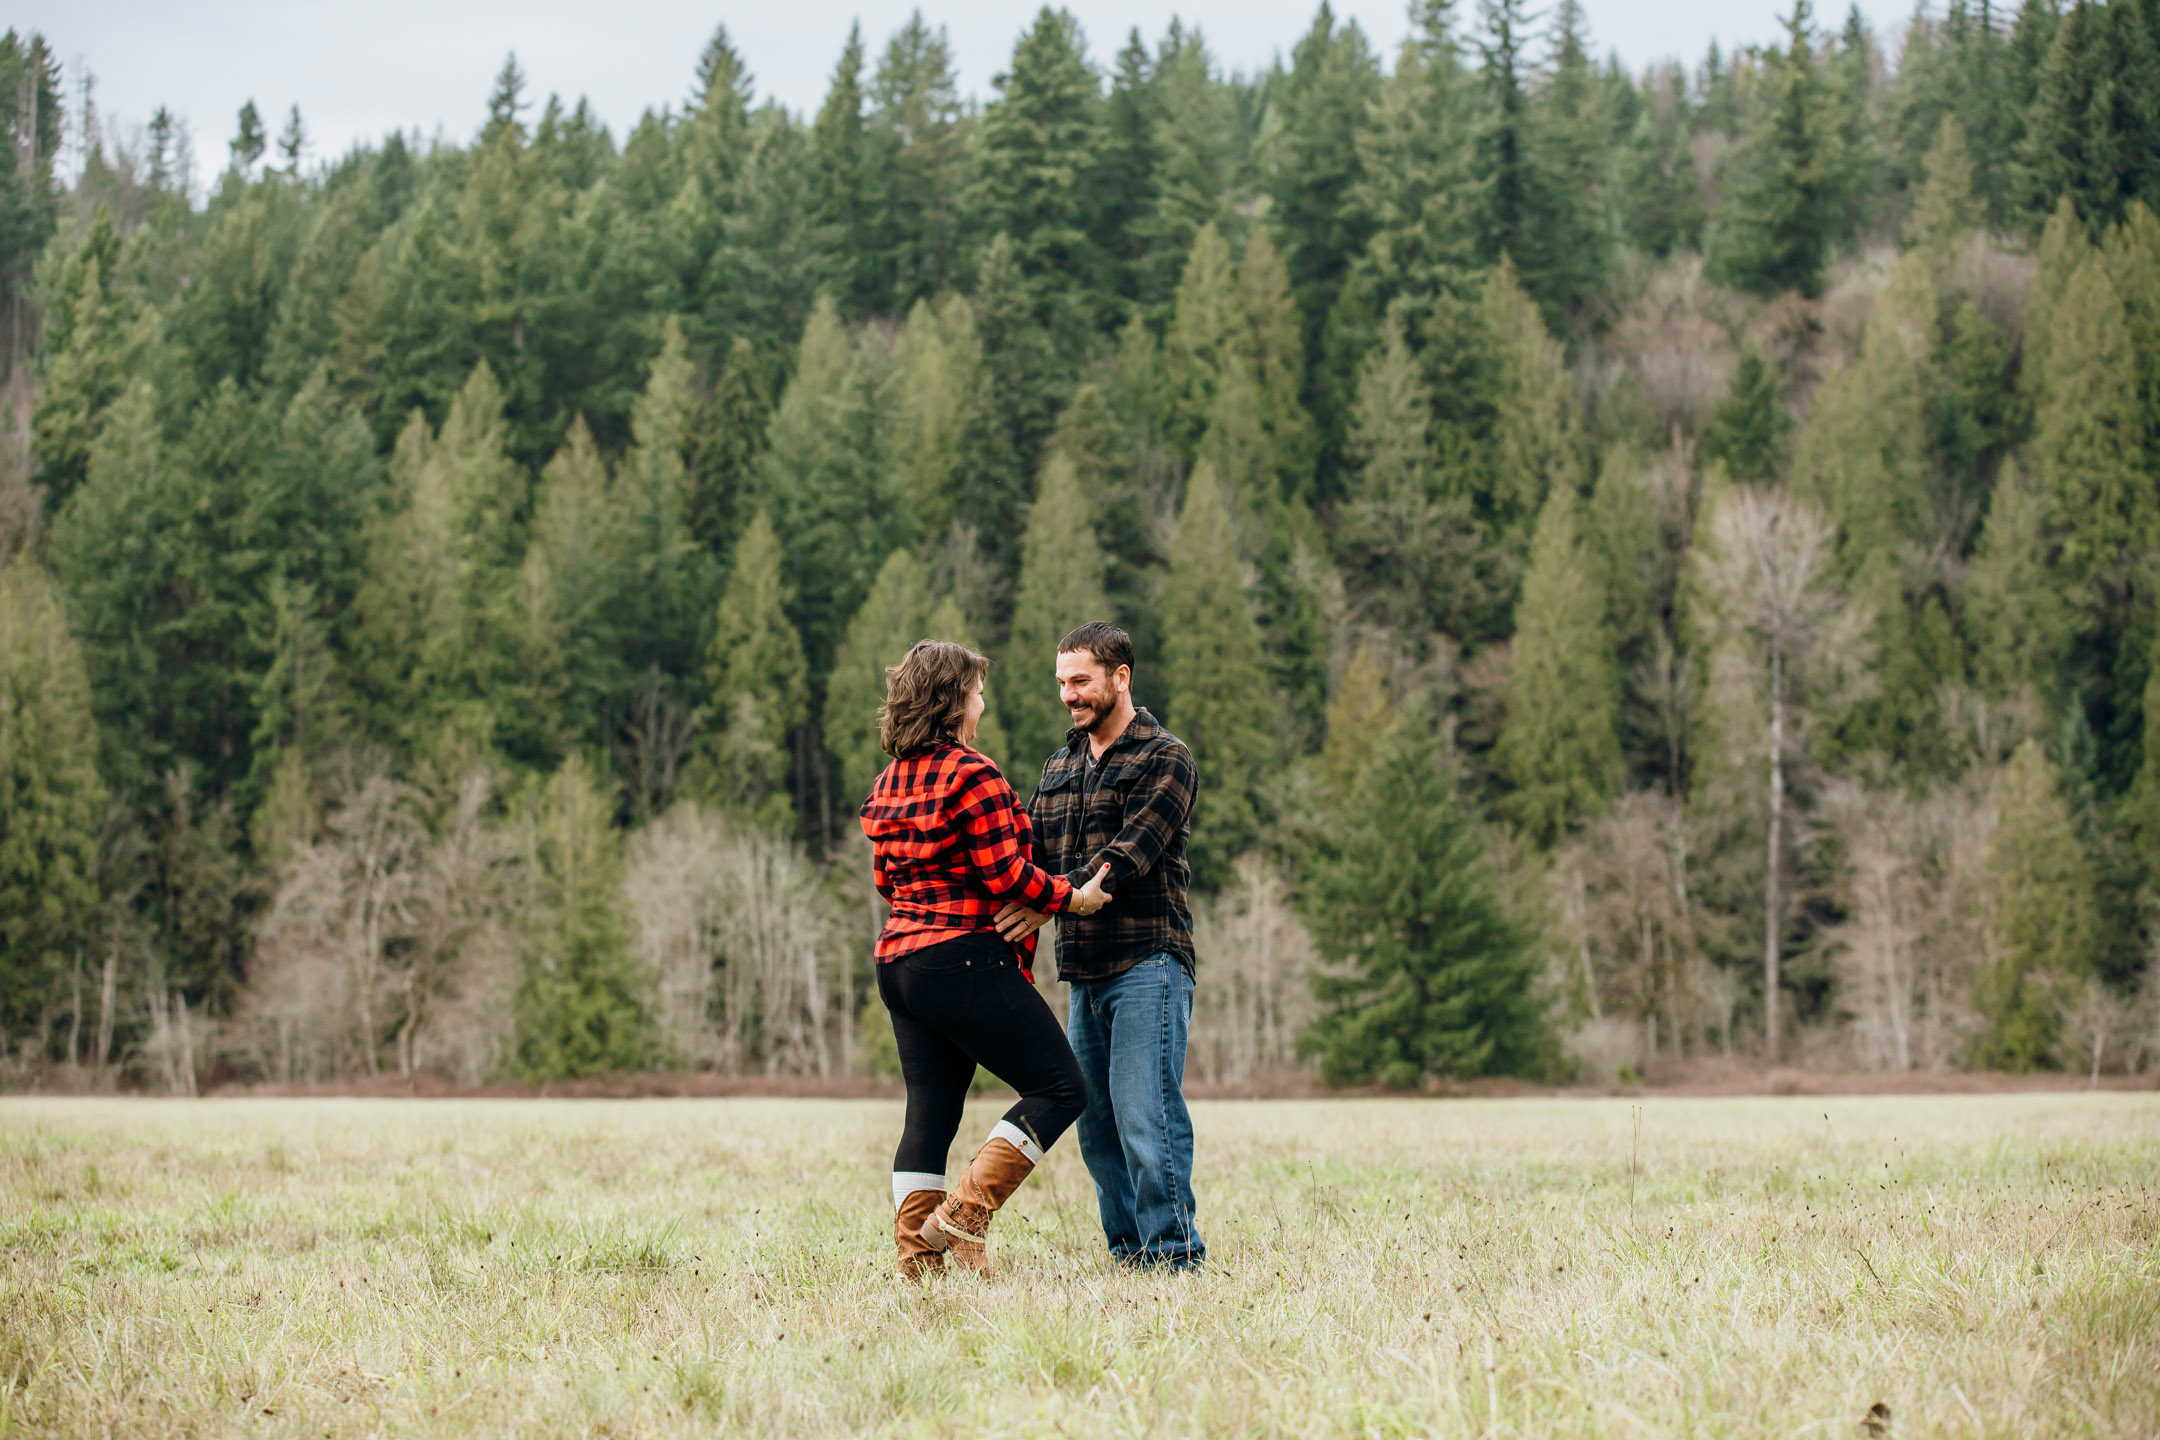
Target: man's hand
1017,922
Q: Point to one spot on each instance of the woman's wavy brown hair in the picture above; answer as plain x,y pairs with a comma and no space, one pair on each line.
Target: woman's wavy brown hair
926,696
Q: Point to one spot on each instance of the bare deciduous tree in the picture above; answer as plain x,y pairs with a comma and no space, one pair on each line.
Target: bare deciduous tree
1253,996
1786,639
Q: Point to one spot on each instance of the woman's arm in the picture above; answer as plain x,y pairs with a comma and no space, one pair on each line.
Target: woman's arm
984,816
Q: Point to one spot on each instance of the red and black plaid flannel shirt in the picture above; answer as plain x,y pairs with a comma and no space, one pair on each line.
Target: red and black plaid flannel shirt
950,846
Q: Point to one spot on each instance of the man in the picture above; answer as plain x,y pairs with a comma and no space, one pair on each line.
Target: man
1121,792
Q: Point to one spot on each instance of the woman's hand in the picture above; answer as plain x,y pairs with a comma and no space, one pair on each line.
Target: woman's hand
1090,897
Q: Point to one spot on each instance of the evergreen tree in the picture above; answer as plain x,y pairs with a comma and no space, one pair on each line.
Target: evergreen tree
1566,265
2016,614
1190,183
52,801
2044,913
1061,586
1438,976
1206,339
1408,550
1560,750
1946,210
1415,179
938,370
1035,153
570,581
666,582
1536,433
949,622
1326,100
1216,675
838,177
729,439
824,485
85,372
583,1006
759,682
915,139
2133,261
893,617
1748,434
1126,160
1010,412
2088,442
1506,152
1775,228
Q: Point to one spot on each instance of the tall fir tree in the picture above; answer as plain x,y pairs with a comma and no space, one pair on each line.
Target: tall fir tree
2044,913
1775,228
893,617
760,685
1560,750
1435,974
839,179
52,799
583,1006
1061,586
1216,676
1035,153
1326,100
1748,434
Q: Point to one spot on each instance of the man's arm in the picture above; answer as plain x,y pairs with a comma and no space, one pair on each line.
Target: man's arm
1157,809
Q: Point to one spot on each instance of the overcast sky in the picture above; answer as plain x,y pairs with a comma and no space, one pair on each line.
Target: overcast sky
358,70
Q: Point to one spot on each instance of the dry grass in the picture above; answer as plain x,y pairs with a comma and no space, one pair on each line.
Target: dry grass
1979,1265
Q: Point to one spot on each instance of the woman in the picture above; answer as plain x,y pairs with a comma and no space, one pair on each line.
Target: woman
951,847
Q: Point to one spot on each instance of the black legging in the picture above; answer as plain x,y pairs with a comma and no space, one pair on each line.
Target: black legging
965,1003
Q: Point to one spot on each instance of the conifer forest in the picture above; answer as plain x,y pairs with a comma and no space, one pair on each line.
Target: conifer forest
1654,567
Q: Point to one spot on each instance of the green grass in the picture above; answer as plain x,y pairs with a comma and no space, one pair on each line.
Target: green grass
1980,1265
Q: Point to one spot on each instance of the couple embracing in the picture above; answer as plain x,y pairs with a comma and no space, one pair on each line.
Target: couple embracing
971,875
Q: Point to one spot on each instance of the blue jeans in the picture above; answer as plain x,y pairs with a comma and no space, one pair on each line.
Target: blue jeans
1136,1134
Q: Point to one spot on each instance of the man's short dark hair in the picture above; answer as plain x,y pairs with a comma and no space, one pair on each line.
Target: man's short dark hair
1110,646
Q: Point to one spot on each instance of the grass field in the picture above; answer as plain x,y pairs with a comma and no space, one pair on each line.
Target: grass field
1978,1265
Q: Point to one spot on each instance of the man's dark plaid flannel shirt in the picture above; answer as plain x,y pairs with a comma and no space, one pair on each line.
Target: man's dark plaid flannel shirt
1136,814
950,846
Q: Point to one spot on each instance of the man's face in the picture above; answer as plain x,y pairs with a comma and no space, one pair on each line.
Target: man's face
1089,691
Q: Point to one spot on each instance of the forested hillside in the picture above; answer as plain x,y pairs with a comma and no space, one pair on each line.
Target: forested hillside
1650,565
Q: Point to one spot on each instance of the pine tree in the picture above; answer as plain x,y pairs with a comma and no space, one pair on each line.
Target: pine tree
52,801
2017,617
1945,211
570,581
2133,261
1010,412
1536,434
583,1008
729,439
1035,152
1415,178
938,370
2063,250
666,582
824,484
2088,442
1061,586
1278,359
915,141
1409,550
1506,151
1193,143
1560,750
1216,676
759,681
2044,913
838,178
1777,223
1566,266
1126,158
85,372
1748,434
1206,337
949,622
1326,100
895,615
1437,975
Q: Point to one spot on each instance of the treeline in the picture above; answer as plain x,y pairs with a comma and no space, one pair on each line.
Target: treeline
1656,564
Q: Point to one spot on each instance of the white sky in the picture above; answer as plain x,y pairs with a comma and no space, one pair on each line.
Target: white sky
360,70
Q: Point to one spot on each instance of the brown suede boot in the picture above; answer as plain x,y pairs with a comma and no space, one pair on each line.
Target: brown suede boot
917,1258
961,1226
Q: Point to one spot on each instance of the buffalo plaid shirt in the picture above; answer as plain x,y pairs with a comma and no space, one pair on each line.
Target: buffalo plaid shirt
950,846
1136,814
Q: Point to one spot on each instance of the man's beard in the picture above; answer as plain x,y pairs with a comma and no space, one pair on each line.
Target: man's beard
1094,716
